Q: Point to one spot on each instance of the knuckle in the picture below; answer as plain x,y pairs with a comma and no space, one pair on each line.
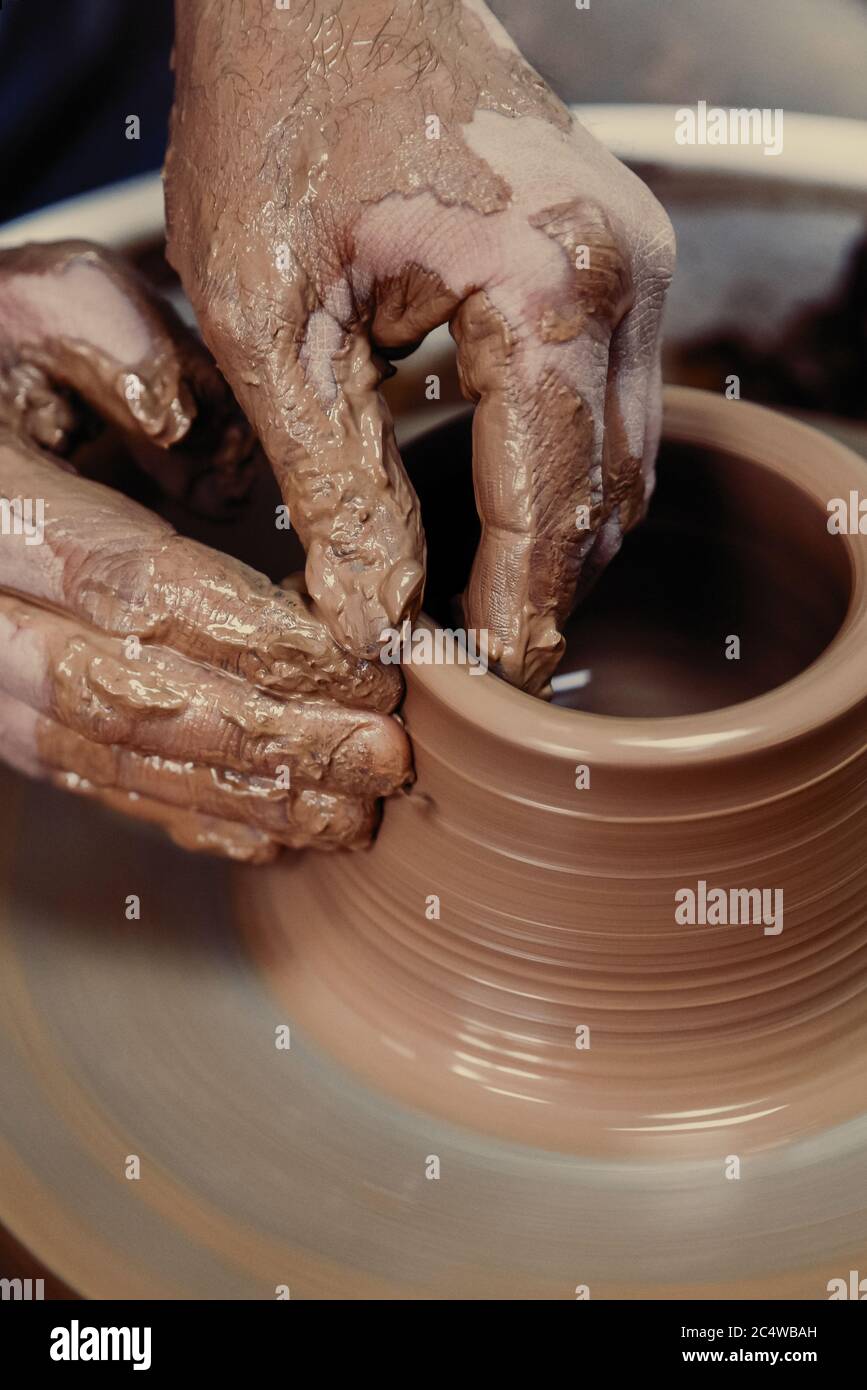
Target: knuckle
599,284
217,311
113,586
656,250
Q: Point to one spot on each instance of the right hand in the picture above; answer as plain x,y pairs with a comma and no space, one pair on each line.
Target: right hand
137,666
343,178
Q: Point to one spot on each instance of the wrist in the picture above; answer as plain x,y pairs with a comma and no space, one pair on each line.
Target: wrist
208,31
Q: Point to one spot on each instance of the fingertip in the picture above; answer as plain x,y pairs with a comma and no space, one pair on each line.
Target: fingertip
383,745
372,758
525,645
401,590
324,821
359,607
377,687
531,665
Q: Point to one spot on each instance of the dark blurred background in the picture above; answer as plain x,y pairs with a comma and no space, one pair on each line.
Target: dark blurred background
72,71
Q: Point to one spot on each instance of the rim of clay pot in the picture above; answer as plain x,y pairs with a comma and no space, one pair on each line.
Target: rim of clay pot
831,686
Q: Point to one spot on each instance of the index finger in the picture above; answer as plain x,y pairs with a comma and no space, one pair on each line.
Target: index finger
537,469
301,365
124,570
535,356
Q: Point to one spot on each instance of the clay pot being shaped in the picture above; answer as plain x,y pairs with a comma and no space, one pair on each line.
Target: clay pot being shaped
631,921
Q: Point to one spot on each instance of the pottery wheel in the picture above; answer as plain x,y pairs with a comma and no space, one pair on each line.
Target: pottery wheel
263,1167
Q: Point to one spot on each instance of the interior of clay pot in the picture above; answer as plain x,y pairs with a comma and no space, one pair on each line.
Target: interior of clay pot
728,550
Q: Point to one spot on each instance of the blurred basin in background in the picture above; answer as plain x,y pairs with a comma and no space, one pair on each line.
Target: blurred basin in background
771,280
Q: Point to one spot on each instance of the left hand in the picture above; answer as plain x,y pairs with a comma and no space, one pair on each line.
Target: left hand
136,666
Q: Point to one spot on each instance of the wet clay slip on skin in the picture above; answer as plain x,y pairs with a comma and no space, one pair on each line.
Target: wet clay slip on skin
508,954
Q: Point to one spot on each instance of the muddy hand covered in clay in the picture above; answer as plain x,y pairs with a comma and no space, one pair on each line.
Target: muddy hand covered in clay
137,666
341,179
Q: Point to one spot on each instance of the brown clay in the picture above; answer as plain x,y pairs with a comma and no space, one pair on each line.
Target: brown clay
267,1167
557,904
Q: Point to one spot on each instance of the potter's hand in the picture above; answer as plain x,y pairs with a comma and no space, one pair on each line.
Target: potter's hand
342,179
135,665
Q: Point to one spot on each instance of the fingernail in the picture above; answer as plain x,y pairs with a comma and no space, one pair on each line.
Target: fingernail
400,589
359,625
